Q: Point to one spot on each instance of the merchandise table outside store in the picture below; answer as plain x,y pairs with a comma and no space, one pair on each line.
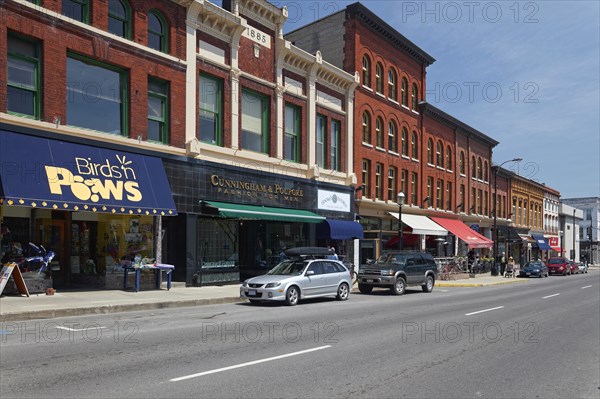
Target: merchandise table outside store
159,269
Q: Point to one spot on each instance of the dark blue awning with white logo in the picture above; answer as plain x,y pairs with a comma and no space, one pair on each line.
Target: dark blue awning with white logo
339,230
541,242
39,172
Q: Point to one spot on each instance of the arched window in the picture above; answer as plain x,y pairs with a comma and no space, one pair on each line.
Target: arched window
439,152
404,92
414,97
415,146
366,71
366,125
449,158
461,161
430,151
404,141
157,32
473,168
392,89
119,18
479,169
379,78
379,132
392,137
485,171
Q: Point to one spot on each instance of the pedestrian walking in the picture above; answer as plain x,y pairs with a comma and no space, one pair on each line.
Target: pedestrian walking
503,263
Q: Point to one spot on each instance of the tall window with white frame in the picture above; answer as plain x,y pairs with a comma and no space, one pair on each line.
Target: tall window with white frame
379,180
430,190
404,142
404,184
210,127
379,78
462,198
392,137
366,127
414,97
415,146
366,177
392,189
321,141
392,86
366,71
449,196
255,117
404,92
291,147
104,111
158,110
439,194
336,137
23,84
379,132
414,184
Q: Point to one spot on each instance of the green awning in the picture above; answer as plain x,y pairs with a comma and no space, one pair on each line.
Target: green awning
264,213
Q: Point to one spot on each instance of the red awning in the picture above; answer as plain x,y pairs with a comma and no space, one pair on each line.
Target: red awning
553,241
462,231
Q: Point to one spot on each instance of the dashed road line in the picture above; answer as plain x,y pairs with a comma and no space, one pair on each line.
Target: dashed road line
484,310
587,286
237,366
550,296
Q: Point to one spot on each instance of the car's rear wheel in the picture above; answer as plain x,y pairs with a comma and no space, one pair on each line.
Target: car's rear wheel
399,286
343,292
365,289
292,296
428,286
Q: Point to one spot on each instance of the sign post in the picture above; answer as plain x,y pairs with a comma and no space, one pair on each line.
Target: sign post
13,269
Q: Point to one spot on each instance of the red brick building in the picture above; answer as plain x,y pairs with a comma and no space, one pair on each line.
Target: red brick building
401,142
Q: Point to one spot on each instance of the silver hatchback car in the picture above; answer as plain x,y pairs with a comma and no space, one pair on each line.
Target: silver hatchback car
295,279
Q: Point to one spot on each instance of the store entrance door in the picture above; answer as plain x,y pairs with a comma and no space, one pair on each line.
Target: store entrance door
52,237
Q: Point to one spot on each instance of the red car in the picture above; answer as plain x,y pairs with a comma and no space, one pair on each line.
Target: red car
574,267
559,265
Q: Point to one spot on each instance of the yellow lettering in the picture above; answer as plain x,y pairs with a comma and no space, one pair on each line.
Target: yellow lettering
108,188
133,191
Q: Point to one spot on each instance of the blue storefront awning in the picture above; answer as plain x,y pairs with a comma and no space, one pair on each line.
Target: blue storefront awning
45,173
339,230
541,242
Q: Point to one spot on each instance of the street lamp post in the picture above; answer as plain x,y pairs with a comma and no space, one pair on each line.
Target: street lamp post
573,257
400,203
495,270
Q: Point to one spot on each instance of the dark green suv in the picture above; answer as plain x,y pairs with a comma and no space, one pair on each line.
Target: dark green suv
398,270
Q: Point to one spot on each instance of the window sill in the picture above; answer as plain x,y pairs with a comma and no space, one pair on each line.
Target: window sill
367,145
367,88
405,157
380,94
430,165
393,101
393,153
415,160
380,149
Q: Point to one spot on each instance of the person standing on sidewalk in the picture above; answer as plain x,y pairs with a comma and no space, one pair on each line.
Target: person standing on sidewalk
503,262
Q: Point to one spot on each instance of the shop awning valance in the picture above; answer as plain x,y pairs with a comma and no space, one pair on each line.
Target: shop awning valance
240,211
472,238
339,230
421,224
541,242
45,173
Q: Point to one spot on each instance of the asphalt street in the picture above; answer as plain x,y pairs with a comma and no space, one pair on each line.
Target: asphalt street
539,339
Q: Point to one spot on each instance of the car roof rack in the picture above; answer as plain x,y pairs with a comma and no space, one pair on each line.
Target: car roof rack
309,252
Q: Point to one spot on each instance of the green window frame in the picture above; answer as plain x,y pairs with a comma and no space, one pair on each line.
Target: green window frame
255,122
210,126
158,110
119,18
336,137
36,2
23,86
158,37
321,141
366,177
291,143
78,10
101,94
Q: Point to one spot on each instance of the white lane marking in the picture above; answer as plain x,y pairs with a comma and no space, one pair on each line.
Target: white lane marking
587,286
485,310
79,329
550,296
187,377
442,290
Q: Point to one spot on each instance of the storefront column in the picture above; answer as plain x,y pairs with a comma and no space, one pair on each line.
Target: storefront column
190,248
159,237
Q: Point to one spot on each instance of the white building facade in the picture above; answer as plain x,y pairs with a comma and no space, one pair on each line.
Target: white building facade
589,226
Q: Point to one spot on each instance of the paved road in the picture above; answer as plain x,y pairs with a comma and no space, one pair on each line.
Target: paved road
540,339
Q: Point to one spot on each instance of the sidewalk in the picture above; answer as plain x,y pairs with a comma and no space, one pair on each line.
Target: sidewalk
77,303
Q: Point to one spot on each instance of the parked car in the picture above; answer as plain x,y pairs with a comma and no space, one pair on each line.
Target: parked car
397,270
574,267
582,267
535,268
307,274
559,265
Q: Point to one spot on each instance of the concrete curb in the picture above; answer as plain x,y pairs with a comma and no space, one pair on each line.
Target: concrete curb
69,312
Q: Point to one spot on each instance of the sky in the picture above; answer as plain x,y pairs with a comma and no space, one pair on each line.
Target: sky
525,73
